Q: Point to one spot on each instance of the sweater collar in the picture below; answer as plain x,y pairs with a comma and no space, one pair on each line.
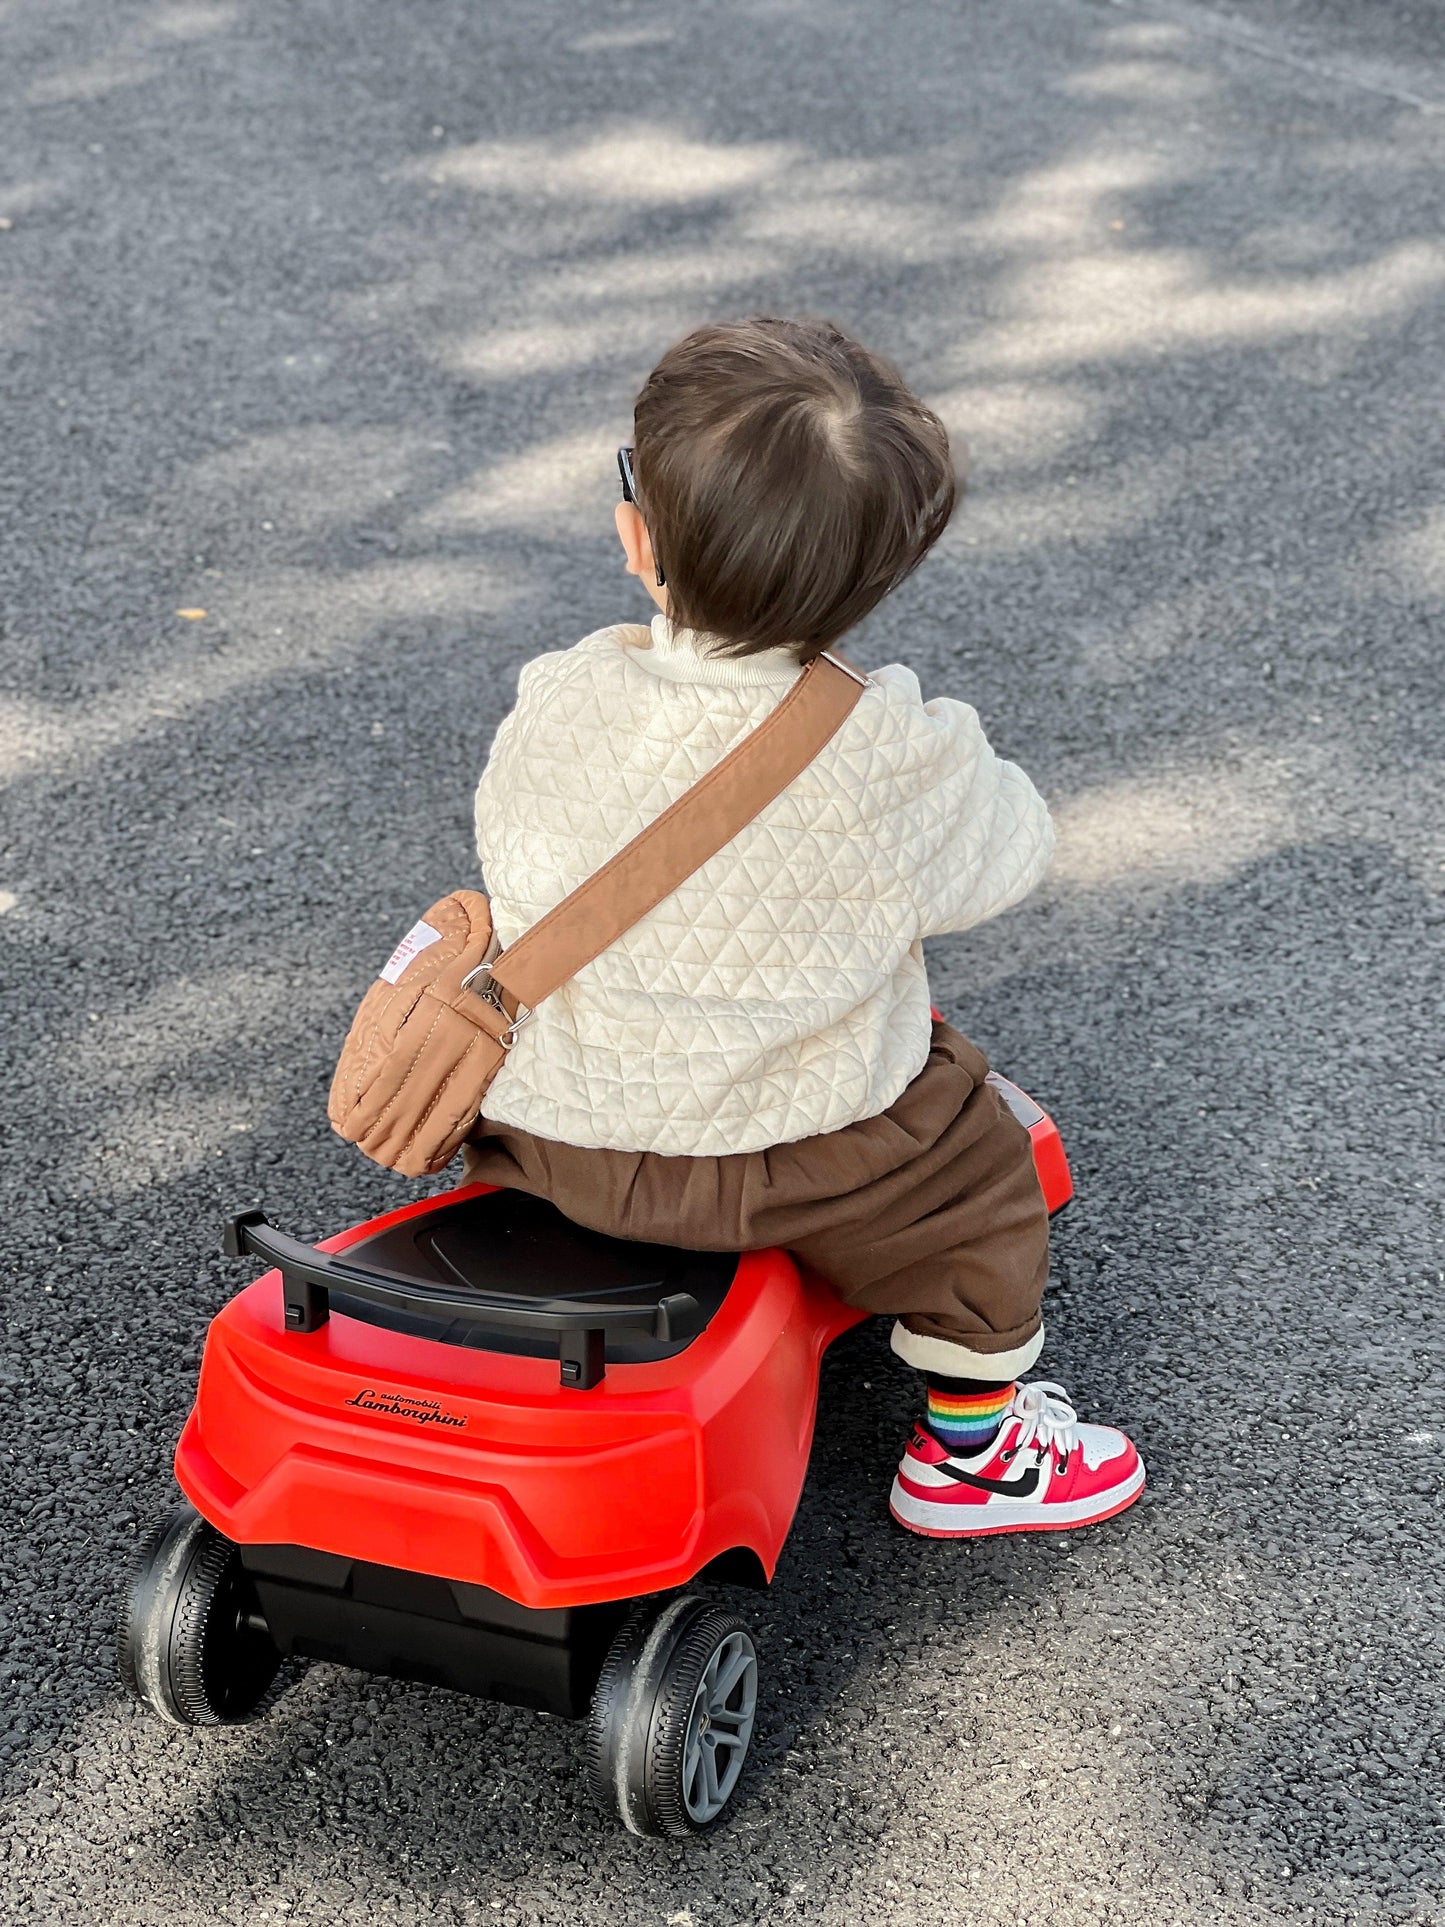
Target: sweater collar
687,655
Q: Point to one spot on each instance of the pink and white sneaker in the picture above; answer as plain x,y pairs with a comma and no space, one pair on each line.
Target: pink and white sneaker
1044,1470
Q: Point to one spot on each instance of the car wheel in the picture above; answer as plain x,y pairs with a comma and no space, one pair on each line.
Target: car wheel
672,1717
193,1645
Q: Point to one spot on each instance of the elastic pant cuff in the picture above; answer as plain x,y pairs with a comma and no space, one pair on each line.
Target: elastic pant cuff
952,1358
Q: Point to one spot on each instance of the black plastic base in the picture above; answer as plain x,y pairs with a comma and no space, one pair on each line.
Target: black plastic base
442,1632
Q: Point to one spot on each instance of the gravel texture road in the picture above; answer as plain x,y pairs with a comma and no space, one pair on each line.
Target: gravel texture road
323,319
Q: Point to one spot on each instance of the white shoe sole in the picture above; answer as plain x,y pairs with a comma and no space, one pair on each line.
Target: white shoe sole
937,1521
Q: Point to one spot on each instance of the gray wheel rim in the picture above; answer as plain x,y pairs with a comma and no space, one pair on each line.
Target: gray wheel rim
719,1728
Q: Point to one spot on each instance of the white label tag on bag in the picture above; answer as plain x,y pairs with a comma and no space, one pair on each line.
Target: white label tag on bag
420,937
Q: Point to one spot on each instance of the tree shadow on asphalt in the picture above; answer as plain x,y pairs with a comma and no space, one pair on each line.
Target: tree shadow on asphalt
249,808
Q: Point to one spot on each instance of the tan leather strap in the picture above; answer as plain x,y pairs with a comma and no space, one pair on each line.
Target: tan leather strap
700,823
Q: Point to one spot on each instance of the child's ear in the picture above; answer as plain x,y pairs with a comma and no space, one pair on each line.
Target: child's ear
632,533
637,547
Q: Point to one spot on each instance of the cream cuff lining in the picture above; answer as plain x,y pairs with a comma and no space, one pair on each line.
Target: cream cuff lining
950,1360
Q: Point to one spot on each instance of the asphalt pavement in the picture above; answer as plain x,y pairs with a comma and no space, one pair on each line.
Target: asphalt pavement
319,324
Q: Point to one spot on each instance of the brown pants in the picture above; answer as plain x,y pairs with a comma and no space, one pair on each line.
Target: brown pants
931,1211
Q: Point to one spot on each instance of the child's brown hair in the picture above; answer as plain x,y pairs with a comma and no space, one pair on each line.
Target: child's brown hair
788,480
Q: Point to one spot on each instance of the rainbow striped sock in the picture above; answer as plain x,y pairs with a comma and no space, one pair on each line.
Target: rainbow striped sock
964,1414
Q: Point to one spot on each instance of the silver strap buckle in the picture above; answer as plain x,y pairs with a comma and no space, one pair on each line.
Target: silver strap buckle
479,982
482,984
864,682
509,1035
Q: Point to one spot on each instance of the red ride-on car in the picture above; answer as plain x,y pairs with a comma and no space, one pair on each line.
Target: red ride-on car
473,1444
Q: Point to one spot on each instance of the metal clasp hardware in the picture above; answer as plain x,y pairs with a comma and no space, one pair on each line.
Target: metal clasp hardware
864,682
509,1035
488,993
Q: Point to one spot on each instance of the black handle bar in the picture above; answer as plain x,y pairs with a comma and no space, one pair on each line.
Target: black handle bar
309,1276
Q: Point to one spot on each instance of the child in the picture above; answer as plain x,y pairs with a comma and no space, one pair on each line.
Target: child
754,1063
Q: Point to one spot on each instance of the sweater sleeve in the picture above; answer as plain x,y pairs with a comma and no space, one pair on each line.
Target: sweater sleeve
487,818
494,813
980,836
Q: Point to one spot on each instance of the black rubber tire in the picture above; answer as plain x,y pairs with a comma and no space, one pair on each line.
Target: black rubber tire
190,1645
637,1732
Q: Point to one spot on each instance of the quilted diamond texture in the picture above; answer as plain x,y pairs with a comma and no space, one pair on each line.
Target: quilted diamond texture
781,990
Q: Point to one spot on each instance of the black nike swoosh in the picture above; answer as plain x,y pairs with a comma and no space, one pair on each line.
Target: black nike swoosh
1018,1488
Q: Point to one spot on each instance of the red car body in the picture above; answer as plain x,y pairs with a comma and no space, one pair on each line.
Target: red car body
473,1466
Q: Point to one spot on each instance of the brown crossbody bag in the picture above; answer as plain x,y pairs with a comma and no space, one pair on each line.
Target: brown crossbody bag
435,1028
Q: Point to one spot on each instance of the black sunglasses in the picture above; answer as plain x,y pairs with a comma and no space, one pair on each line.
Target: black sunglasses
625,457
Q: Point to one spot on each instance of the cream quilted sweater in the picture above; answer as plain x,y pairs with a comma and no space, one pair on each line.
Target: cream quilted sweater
781,991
